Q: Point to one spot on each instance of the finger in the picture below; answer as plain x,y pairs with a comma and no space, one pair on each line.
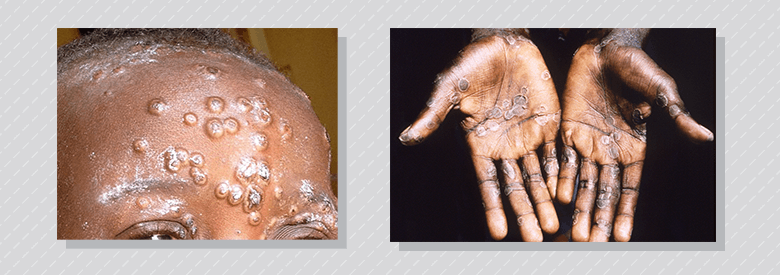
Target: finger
641,73
438,106
551,167
488,186
567,175
586,195
605,203
540,194
518,198
624,221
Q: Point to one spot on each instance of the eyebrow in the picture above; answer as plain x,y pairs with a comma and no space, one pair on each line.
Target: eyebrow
139,186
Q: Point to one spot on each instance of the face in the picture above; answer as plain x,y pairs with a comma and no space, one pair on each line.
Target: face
189,145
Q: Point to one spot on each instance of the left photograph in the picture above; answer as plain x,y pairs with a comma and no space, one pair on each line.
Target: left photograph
197,134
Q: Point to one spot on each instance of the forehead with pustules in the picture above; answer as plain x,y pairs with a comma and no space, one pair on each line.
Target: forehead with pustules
134,121
160,97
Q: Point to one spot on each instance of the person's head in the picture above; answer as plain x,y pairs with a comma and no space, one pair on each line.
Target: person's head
186,134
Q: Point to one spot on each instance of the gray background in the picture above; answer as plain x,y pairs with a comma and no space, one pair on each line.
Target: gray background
28,141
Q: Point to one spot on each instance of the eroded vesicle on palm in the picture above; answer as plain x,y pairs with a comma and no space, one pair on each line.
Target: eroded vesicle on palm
502,84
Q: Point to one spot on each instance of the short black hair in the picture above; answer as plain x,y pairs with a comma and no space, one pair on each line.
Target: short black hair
478,34
103,43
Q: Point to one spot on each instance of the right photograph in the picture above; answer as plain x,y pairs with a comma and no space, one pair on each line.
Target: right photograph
566,135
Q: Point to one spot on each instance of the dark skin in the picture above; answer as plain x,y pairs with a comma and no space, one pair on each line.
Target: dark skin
603,130
144,149
502,84
598,90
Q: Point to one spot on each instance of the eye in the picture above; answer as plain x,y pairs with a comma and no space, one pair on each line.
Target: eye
154,230
308,231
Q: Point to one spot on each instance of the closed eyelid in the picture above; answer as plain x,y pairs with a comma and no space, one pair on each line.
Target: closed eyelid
147,229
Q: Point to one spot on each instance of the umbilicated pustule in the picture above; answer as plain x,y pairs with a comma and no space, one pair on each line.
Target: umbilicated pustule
503,86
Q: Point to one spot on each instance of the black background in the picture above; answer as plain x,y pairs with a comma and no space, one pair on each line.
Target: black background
434,195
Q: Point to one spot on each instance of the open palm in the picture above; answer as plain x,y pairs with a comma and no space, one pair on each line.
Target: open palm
609,89
502,84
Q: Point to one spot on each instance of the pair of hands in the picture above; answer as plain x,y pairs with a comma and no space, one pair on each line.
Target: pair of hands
501,83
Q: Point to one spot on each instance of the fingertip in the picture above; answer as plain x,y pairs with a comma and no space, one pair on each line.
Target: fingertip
708,134
597,235
534,237
694,131
579,235
403,137
580,230
564,195
623,228
529,228
550,226
548,217
409,139
497,224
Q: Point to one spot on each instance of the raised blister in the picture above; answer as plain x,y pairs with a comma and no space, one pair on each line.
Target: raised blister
211,73
198,176
430,102
509,171
171,160
196,159
455,97
604,197
264,172
541,109
505,104
254,218
542,119
260,83
605,226
307,190
510,39
613,152
97,75
190,119
140,145
494,113
259,141
605,140
214,128
236,194
463,84
244,105
492,125
215,104
254,195
285,130
231,125
519,100
575,217
157,106
222,190
247,170
183,156
661,100
143,202
480,131
638,117
546,75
